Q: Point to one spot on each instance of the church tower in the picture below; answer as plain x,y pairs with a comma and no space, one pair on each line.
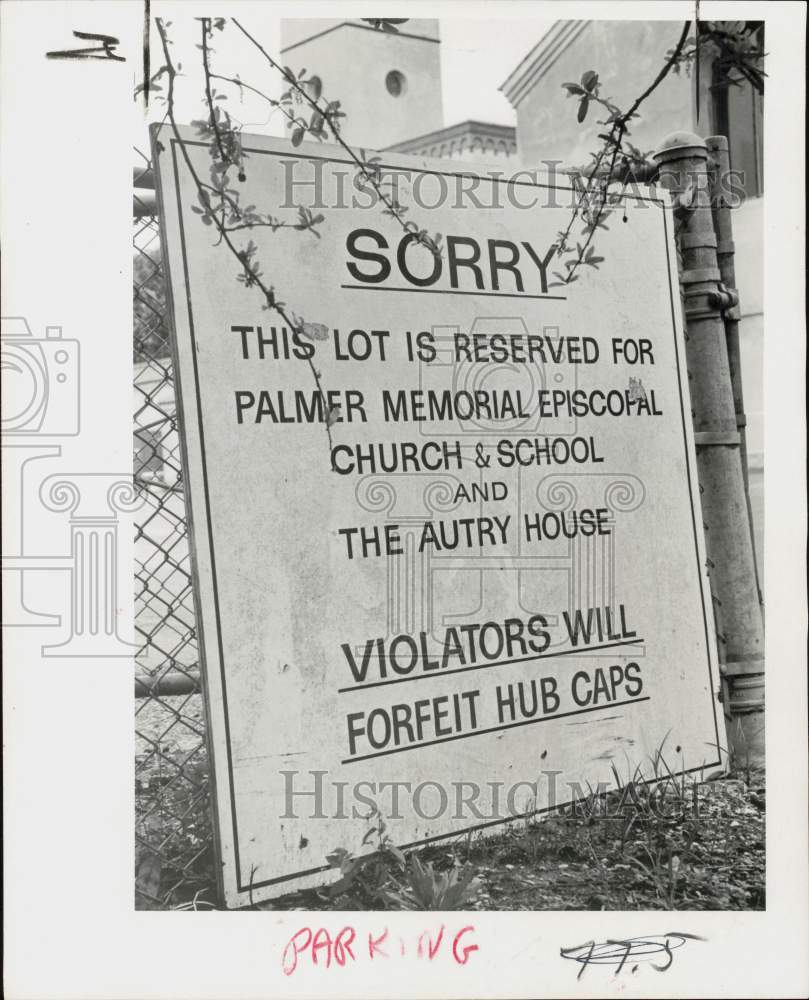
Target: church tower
388,85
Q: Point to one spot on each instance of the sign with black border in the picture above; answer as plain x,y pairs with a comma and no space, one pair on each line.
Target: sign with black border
489,505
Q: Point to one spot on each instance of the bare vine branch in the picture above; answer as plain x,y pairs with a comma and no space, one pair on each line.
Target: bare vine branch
596,192
251,275
332,120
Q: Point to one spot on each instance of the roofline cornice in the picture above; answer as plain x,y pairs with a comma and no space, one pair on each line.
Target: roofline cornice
540,59
492,130
353,24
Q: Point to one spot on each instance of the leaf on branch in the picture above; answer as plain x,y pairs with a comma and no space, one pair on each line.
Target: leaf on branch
574,89
316,124
386,23
315,331
397,853
333,416
584,104
308,221
338,857
297,136
589,80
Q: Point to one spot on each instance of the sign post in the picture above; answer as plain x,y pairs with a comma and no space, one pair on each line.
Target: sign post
464,576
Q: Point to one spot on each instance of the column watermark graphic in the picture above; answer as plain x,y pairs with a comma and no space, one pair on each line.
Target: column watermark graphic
41,406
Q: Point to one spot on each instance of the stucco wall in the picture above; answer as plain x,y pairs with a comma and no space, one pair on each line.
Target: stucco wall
626,55
353,63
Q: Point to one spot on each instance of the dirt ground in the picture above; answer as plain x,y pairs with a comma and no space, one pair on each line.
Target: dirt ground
709,857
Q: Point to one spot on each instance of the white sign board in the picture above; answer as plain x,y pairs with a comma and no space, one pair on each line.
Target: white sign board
498,593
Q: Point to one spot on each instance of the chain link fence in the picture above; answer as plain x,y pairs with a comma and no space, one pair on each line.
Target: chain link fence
174,861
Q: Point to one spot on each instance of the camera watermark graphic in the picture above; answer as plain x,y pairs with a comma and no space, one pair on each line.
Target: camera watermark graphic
480,389
40,381
494,373
40,405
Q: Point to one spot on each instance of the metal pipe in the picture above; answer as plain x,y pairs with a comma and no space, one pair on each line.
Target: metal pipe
683,171
725,254
144,203
143,177
173,682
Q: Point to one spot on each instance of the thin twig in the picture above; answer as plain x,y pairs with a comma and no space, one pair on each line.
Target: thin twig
614,140
254,90
394,210
205,23
664,72
250,276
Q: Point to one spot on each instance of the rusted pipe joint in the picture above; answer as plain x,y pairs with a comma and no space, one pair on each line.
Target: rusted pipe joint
676,149
725,299
680,146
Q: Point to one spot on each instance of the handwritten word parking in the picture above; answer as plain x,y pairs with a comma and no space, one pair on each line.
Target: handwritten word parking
319,947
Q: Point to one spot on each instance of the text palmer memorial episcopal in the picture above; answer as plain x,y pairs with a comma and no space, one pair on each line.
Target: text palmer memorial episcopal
476,555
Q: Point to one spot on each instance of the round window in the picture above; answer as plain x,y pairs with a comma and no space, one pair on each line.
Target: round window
396,83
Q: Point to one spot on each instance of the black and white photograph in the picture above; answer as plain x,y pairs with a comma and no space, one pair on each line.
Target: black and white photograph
436,501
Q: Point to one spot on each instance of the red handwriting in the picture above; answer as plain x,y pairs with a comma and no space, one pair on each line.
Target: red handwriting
320,947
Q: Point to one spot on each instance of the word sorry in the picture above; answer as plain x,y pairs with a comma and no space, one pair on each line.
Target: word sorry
485,263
